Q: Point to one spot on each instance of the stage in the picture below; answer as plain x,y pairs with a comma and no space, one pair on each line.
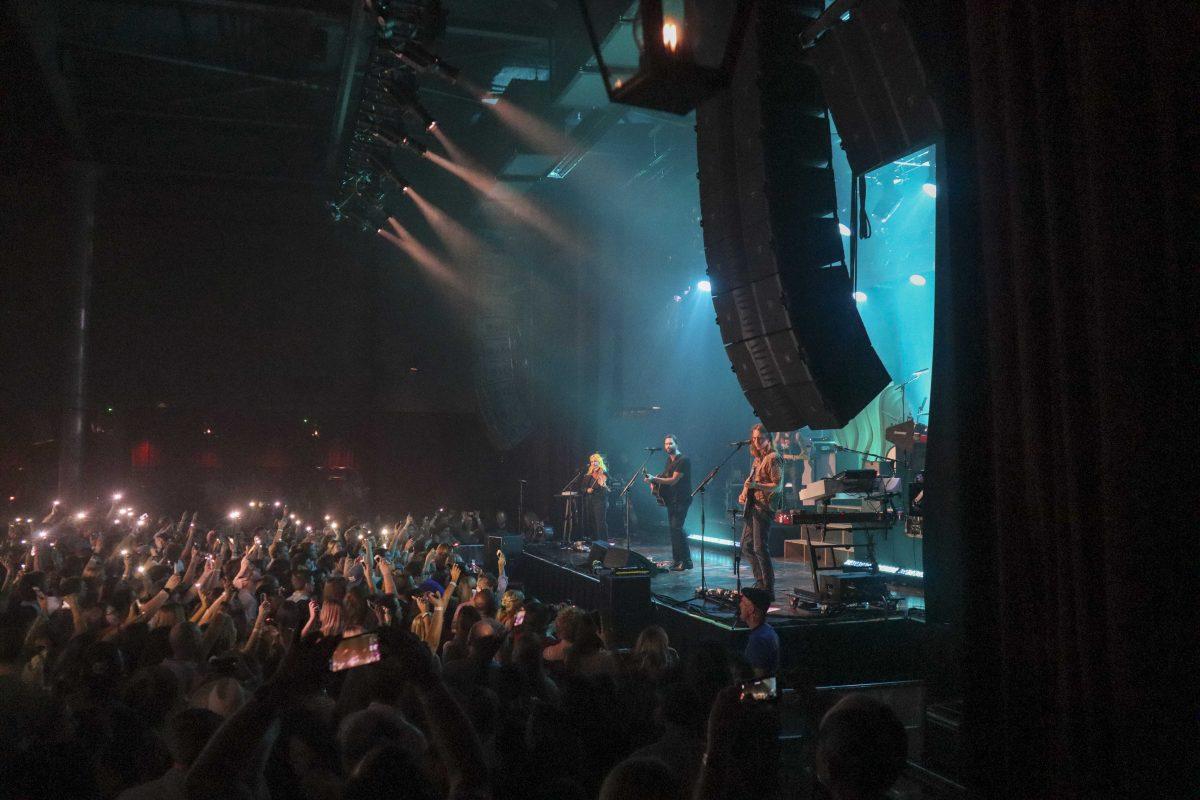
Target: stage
826,645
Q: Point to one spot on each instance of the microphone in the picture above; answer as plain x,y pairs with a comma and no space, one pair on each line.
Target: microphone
741,443
653,449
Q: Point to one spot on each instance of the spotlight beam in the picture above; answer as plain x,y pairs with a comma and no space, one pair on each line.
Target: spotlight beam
463,244
520,208
424,257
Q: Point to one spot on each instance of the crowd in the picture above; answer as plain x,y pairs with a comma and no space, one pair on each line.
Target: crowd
265,657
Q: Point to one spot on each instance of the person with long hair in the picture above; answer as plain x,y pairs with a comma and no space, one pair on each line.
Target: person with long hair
762,485
595,497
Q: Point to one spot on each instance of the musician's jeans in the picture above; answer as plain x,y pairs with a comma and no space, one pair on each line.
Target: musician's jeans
680,552
755,532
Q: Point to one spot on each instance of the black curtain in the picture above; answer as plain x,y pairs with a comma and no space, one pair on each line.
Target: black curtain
1061,542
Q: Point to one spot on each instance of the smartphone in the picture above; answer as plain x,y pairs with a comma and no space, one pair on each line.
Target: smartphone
754,691
356,651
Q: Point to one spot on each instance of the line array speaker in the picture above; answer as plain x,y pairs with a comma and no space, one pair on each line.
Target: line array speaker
876,86
780,285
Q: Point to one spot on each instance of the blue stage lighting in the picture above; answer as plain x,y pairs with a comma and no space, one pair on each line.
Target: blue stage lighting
860,297
916,280
929,189
704,286
843,229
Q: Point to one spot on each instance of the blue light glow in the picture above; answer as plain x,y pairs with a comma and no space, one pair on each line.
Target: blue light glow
860,297
930,189
695,537
916,279
844,229
704,286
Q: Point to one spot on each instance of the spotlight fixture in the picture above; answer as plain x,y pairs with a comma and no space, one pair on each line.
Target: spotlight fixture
387,172
365,225
704,286
916,279
412,144
685,52
402,96
421,60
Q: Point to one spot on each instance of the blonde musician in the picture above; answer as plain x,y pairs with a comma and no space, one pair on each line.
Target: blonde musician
760,487
595,497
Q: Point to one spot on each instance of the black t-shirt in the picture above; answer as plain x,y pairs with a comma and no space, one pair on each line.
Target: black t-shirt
679,493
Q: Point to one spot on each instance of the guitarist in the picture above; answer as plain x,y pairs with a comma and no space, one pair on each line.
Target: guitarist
673,488
762,486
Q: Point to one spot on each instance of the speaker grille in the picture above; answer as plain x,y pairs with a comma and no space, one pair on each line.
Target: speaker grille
780,287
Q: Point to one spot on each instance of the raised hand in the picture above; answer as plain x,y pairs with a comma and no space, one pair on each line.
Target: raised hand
261,619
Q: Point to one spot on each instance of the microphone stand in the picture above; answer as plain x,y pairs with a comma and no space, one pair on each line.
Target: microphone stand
701,491
625,493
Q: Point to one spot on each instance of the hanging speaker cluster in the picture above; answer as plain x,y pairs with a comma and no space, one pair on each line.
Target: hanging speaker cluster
780,284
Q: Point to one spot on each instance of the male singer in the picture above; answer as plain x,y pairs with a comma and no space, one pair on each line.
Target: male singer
762,483
674,486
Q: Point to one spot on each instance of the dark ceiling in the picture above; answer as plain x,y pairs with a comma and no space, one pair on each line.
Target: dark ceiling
262,89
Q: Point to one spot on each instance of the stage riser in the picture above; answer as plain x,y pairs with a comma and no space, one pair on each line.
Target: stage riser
814,652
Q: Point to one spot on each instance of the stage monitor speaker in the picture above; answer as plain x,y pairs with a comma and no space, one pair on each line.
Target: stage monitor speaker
875,85
852,587
781,289
511,545
618,557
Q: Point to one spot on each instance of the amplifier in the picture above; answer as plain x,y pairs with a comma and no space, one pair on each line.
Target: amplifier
852,587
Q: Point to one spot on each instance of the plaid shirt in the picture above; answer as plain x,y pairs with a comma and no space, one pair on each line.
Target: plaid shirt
765,469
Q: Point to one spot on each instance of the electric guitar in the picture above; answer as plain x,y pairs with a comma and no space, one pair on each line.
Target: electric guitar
655,488
774,499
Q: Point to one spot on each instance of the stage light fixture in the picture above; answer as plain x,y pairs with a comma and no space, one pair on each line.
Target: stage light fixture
704,286
844,229
416,56
929,189
402,97
860,297
413,145
916,280
388,172
685,52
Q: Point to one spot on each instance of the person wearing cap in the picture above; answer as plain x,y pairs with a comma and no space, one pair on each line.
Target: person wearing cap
762,646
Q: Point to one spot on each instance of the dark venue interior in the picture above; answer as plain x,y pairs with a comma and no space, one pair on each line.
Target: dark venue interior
598,398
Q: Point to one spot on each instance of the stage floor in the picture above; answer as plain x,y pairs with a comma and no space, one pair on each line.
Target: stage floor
680,587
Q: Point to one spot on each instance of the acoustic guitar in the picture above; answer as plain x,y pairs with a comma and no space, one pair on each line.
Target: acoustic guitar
655,489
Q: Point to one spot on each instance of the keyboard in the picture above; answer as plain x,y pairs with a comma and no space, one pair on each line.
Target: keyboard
852,483
804,516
